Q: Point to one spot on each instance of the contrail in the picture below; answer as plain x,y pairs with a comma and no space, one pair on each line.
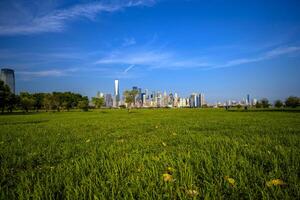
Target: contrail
128,68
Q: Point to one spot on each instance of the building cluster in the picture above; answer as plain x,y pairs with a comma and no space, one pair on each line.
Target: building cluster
244,102
8,77
146,99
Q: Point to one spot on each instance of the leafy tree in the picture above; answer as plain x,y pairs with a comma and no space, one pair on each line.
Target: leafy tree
258,104
265,103
38,100
130,97
26,101
278,104
57,100
83,104
13,101
4,95
239,106
99,102
292,101
47,102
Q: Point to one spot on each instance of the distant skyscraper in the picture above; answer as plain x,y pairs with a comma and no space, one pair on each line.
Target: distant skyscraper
194,100
108,100
248,100
8,77
117,93
202,101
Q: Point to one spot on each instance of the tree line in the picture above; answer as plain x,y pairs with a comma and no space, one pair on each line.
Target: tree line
37,101
290,102
67,100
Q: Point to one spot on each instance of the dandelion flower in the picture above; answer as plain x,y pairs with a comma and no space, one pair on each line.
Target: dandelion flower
275,182
87,141
170,170
167,177
231,181
192,193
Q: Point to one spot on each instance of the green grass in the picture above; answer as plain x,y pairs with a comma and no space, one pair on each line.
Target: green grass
112,154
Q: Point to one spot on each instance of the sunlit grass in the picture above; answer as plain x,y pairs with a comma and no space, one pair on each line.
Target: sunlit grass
150,154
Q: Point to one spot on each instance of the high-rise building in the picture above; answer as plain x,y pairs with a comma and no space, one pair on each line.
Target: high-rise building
201,100
117,93
194,100
248,102
8,77
108,100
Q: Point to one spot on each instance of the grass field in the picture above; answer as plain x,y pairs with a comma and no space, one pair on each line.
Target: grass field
150,154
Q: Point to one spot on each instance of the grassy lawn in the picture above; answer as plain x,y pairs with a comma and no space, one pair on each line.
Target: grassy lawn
150,154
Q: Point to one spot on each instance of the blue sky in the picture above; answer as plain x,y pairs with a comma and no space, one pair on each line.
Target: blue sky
226,49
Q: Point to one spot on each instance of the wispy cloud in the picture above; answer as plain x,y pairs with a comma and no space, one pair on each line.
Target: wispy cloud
276,52
128,42
162,59
47,73
56,20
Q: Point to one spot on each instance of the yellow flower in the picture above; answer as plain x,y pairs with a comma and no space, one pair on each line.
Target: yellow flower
87,141
231,181
164,144
170,170
192,193
276,182
156,126
167,177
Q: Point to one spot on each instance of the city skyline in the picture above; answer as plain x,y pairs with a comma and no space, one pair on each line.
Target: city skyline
224,49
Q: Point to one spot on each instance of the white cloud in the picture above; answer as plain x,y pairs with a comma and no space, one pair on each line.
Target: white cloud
282,50
163,59
56,20
266,56
128,42
47,73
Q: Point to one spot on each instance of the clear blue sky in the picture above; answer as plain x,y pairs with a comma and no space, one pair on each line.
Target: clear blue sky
226,49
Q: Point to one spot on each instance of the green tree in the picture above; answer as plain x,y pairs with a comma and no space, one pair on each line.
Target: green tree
4,95
38,100
57,100
265,103
258,104
130,98
292,101
278,104
47,102
83,104
13,101
26,101
239,106
99,102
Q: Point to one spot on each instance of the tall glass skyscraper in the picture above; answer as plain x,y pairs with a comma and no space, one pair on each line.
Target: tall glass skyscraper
8,77
117,94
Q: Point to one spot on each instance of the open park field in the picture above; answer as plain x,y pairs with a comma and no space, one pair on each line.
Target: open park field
150,154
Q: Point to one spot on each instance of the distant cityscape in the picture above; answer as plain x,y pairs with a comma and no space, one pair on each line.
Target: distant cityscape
147,99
